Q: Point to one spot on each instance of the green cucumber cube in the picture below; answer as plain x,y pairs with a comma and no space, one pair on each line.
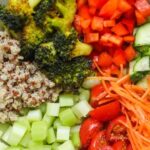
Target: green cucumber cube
53,109
39,131
26,140
6,135
75,138
4,127
51,138
34,115
55,146
14,148
57,123
82,109
68,145
25,122
66,100
3,146
63,133
42,107
40,147
48,120
84,94
68,118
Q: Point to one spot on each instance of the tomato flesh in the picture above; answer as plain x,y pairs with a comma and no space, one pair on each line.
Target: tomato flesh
89,128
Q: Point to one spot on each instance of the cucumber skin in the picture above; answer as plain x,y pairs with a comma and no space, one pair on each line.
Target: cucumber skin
143,50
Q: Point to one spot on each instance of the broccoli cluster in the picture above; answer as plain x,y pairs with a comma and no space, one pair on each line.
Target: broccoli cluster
48,39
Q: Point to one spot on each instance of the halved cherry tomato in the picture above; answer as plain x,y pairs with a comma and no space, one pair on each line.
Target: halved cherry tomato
115,130
119,145
106,112
129,147
99,141
89,128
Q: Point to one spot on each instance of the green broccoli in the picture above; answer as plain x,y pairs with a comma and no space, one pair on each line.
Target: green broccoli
144,50
31,37
41,9
45,55
13,21
66,10
69,75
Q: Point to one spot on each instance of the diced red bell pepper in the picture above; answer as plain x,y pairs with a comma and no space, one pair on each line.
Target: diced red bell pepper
129,38
97,23
129,24
130,53
124,6
143,6
85,23
80,3
95,3
104,60
92,10
116,40
140,19
84,12
116,14
105,38
109,23
91,37
119,29
119,57
109,8
77,23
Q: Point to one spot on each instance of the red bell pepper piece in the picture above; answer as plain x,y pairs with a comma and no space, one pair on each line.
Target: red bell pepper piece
85,23
119,57
109,8
119,29
143,6
129,38
92,10
80,3
124,6
91,37
116,40
140,19
84,12
109,23
104,60
130,53
106,112
97,23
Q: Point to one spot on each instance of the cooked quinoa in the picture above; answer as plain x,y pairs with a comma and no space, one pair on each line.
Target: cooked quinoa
21,83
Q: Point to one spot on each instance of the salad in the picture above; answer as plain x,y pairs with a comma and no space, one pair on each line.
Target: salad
74,74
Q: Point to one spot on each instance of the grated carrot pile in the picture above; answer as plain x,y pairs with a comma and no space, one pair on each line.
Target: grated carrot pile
135,105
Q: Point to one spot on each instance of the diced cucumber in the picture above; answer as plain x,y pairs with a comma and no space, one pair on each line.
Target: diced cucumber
57,123
26,140
14,148
55,146
68,118
51,138
39,131
40,147
42,107
75,138
143,35
6,135
66,100
131,66
68,145
4,126
48,120
16,134
84,94
33,143
25,122
90,83
3,146
63,133
82,109
142,65
34,115
143,83
75,129
53,109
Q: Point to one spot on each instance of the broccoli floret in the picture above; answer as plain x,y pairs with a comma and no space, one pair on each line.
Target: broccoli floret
41,9
69,75
63,21
45,55
12,20
32,36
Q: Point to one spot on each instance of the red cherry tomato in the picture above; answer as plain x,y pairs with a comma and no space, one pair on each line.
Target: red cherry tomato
129,147
89,128
106,112
99,142
119,145
115,130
